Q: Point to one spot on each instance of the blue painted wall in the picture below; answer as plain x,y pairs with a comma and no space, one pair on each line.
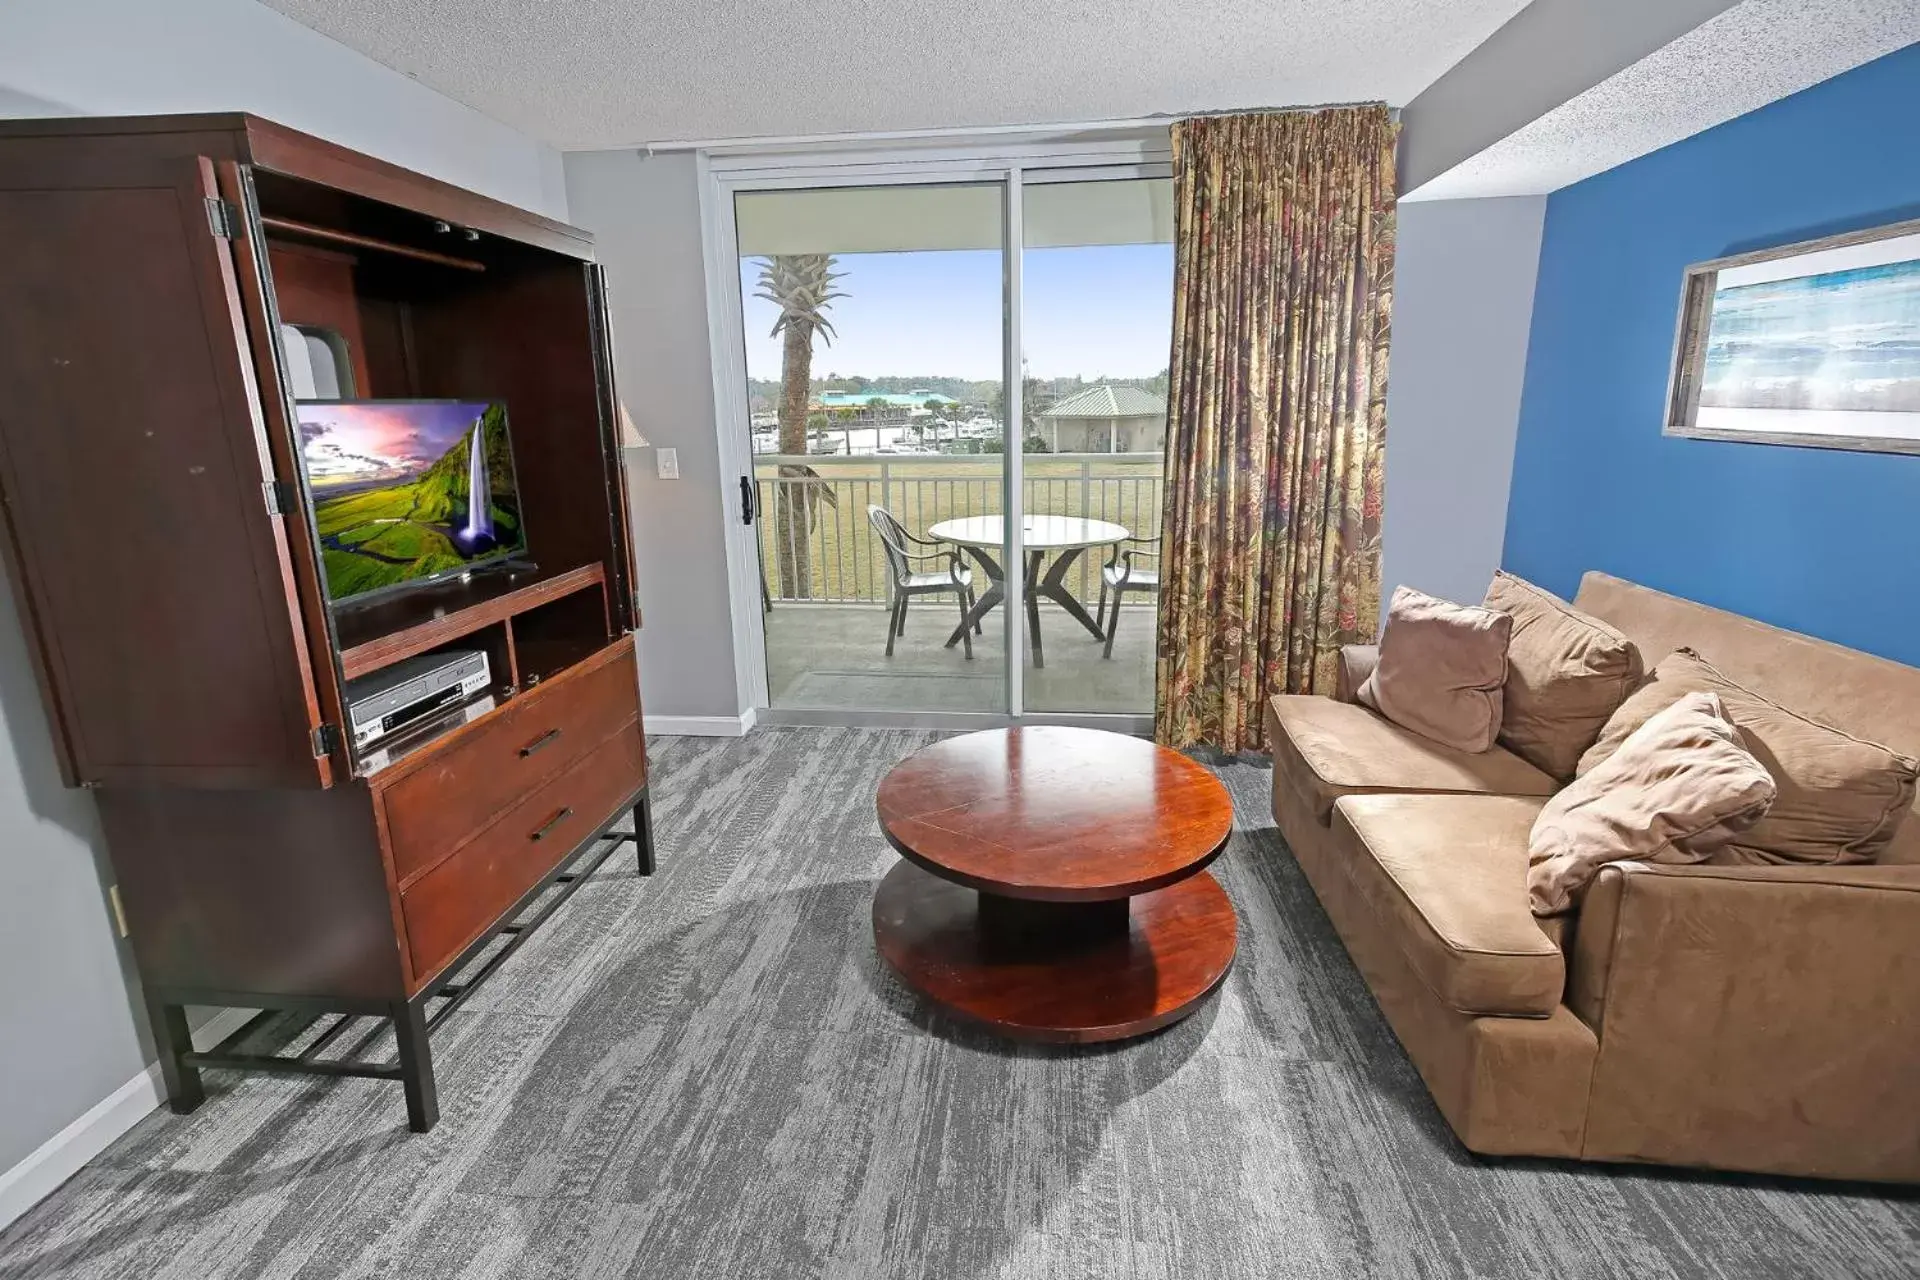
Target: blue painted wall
1821,541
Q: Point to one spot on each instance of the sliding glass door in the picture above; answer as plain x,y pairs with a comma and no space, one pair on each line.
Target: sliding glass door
1096,329
874,320
954,394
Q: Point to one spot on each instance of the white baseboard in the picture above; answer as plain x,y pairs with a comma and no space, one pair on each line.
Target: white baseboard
700,726
62,1155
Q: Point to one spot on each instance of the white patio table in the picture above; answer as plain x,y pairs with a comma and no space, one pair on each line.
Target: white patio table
1065,536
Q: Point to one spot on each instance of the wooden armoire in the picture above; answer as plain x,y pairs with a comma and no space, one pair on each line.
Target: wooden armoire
160,543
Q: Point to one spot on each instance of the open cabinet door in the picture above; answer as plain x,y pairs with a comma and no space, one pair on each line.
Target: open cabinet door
126,387
620,590
280,442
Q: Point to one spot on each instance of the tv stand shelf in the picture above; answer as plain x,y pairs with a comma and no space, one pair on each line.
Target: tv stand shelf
382,634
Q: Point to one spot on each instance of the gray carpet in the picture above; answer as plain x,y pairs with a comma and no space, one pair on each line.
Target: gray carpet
708,1074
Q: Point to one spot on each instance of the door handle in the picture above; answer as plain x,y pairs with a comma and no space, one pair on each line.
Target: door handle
749,500
551,823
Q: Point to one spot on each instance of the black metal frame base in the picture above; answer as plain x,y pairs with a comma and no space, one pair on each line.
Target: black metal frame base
181,1063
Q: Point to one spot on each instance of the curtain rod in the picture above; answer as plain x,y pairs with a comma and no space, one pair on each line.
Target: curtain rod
857,137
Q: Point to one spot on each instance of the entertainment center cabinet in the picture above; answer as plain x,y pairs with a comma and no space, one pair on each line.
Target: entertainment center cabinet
160,542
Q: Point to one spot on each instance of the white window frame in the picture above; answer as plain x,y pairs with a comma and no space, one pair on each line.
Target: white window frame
1013,162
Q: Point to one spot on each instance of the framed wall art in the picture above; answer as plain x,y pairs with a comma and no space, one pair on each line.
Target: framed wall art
1814,344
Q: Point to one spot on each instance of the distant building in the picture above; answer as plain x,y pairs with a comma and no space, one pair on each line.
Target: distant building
1106,419
897,407
895,399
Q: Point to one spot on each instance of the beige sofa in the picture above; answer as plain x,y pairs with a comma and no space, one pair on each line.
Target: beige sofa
1753,1018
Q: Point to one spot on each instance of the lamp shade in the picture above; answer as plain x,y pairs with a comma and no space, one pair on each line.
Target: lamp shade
630,437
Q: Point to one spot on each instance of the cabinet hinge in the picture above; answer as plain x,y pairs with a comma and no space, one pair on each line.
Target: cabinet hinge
326,739
119,911
222,218
280,497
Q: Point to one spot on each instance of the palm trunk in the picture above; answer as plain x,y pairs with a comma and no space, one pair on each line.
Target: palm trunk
790,496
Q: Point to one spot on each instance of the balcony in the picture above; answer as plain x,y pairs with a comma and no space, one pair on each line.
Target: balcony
826,591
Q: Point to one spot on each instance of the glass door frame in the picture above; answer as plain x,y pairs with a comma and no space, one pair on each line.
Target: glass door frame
1136,153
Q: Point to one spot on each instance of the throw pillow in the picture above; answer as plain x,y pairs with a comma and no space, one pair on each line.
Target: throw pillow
1841,799
1677,788
1441,669
1567,672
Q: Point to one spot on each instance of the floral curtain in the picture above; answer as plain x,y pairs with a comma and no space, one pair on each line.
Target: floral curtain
1283,288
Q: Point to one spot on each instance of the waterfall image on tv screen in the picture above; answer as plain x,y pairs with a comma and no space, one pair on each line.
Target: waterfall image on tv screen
405,490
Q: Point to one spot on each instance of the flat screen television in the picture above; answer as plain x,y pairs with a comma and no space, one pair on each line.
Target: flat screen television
406,492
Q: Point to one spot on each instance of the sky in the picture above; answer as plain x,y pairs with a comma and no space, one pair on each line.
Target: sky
1096,311
346,442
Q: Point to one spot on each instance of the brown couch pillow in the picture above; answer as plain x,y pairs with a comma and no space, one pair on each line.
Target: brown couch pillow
1441,669
1678,787
1841,799
1567,672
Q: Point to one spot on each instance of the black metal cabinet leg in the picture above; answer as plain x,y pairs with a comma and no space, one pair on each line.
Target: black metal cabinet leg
173,1042
416,1064
643,834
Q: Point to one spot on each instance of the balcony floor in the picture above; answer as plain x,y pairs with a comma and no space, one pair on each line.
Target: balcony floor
833,657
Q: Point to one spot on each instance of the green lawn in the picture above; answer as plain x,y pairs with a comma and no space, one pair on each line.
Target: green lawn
349,574
406,542
343,515
847,560
382,522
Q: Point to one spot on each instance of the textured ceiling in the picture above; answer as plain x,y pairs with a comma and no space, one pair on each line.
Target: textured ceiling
607,73
1752,54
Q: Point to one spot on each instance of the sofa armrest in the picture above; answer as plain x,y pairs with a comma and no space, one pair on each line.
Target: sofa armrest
1357,662
1761,1018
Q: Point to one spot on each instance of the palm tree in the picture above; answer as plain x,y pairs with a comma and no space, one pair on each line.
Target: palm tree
1033,399
801,285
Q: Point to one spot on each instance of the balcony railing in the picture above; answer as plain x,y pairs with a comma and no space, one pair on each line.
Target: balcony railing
843,559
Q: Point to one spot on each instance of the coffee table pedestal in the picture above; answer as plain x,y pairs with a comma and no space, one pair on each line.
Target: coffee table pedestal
1066,972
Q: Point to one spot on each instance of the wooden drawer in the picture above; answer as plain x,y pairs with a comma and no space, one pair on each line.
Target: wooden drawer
462,897
494,764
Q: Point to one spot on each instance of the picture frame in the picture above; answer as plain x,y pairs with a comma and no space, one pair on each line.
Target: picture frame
1814,344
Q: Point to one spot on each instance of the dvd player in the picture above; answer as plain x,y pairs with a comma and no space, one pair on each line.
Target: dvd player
396,696
396,745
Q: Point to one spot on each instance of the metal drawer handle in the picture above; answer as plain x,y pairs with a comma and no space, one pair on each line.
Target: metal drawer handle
547,827
540,743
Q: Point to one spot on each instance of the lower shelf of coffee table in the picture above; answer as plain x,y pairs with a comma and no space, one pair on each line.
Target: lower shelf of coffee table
1072,973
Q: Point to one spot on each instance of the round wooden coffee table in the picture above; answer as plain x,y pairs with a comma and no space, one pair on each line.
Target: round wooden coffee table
1053,883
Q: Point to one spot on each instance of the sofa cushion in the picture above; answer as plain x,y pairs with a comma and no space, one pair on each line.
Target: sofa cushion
1840,799
1441,670
1357,662
1327,749
1679,787
1447,878
1874,699
1567,672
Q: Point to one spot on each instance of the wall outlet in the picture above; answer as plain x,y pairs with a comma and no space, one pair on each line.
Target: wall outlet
668,461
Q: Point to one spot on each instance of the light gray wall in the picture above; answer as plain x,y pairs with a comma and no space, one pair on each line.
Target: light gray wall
644,212
69,1035
1462,309
142,57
